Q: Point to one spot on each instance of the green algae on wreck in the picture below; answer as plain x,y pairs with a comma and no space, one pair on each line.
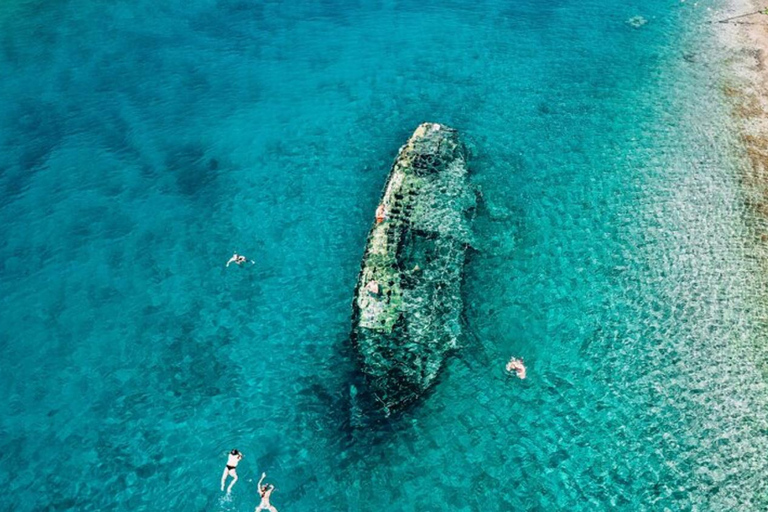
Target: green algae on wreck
415,257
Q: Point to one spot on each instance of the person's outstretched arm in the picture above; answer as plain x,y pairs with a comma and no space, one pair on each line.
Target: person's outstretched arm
261,480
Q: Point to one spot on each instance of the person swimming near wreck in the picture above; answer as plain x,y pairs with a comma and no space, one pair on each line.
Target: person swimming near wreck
381,213
373,288
265,491
517,366
239,259
233,460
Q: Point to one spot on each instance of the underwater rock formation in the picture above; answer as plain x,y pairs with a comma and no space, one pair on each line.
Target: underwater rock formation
407,305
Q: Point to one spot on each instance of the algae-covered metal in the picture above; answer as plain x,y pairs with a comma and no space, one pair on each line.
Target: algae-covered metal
407,306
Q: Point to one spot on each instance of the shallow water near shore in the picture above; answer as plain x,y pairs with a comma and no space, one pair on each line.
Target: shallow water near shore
141,144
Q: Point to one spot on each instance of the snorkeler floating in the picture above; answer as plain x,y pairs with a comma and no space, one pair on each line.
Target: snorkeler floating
239,259
265,491
517,366
231,468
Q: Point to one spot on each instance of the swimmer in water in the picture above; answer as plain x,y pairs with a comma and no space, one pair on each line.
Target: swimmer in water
517,366
265,491
231,469
239,259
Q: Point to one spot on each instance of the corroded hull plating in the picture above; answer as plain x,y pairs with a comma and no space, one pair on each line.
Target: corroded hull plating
407,306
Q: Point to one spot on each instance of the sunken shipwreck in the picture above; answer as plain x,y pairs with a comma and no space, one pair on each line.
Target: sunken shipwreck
407,305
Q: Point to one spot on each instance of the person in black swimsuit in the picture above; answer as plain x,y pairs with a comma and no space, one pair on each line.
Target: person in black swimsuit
234,458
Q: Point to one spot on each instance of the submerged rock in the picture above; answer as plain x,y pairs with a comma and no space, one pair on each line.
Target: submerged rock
636,21
407,306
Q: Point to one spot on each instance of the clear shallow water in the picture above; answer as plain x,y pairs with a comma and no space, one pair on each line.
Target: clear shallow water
141,144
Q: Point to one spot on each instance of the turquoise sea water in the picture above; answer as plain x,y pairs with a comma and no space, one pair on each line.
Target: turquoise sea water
142,142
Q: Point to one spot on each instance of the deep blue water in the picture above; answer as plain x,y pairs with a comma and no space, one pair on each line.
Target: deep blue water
142,142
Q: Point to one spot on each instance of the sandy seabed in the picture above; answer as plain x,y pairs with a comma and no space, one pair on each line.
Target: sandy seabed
744,31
